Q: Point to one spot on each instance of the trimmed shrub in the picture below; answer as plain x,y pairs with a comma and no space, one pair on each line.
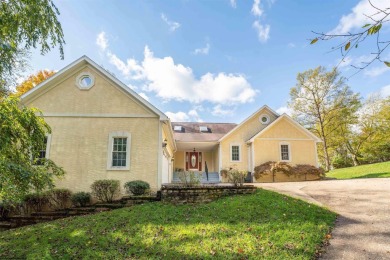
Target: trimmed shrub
59,198
304,169
263,169
81,199
224,173
189,178
137,187
105,190
234,176
286,168
35,201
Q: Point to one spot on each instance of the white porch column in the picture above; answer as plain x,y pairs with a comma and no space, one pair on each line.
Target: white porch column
219,162
253,156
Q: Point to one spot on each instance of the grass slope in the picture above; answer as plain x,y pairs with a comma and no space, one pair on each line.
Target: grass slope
264,225
376,170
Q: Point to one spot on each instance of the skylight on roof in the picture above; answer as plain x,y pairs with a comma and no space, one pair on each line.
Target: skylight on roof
178,128
203,129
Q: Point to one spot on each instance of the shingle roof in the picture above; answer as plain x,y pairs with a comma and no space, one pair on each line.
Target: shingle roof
191,131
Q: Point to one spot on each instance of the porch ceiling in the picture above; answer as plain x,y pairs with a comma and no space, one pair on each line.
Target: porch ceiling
199,146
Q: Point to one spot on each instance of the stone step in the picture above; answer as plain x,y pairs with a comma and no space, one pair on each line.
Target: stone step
82,209
51,213
144,198
108,205
33,218
5,225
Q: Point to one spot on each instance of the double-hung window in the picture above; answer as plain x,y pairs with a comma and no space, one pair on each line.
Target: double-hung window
43,153
235,155
118,151
285,152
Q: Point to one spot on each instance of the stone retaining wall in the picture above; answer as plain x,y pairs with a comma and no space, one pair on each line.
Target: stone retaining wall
201,194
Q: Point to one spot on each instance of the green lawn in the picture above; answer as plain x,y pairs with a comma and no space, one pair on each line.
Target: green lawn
264,225
376,170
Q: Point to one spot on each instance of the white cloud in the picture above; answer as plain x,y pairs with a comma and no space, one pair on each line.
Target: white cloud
262,31
282,110
144,96
131,69
256,9
233,3
204,50
173,26
172,81
219,111
181,116
178,117
358,16
101,41
376,71
175,81
194,115
291,45
385,91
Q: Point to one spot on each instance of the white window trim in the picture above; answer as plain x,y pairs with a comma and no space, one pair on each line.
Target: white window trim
289,151
239,152
48,143
110,147
266,116
82,75
47,149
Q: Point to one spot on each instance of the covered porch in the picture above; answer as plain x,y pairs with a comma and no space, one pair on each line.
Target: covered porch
198,157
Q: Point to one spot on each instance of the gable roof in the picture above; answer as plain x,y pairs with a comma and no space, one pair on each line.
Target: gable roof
84,60
246,120
295,123
191,131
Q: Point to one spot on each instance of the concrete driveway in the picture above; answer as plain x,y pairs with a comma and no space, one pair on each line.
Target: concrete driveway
362,230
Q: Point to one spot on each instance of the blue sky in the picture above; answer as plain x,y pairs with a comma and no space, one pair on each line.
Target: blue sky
214,61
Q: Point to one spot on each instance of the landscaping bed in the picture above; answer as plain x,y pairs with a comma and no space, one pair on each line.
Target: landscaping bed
263,225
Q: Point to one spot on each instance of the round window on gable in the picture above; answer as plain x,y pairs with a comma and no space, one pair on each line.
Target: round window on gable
85,81
264,119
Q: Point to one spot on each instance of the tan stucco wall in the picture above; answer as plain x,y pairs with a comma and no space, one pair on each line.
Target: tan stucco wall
208,157
166,136
81,121
179,162
103,98
284,129
302,151
216,159
80,146
240,136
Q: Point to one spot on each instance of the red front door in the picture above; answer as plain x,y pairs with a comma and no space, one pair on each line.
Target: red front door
193,161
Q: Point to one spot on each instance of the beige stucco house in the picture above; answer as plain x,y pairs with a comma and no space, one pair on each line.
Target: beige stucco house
102,129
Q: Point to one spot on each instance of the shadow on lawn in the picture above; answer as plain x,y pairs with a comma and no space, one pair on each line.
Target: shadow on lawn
374,175
266,225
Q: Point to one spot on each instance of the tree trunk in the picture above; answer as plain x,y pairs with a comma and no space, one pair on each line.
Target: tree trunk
327,159
355,160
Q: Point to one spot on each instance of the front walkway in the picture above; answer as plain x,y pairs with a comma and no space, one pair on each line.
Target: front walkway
363,228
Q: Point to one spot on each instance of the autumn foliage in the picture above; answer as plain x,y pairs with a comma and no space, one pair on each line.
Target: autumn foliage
32,81
286,168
